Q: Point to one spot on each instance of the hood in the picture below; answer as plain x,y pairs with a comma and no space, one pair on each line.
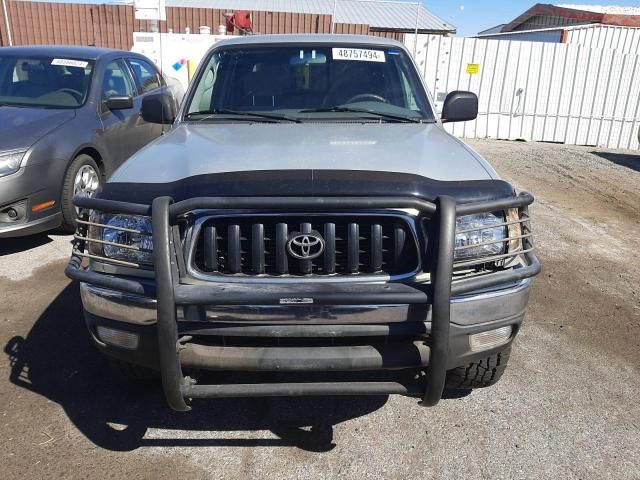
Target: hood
24,126
191,150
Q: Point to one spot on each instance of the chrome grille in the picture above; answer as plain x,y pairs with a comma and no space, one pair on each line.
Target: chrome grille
257,245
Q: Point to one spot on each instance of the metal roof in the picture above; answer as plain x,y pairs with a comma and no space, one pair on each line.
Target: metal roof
607,9
378,14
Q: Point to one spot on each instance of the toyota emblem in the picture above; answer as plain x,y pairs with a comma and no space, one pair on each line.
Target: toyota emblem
305,246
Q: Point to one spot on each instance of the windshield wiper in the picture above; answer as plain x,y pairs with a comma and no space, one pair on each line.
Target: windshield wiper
221,111
389,116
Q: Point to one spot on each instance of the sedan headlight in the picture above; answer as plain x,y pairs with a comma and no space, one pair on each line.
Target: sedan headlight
125,237
479,236
10,162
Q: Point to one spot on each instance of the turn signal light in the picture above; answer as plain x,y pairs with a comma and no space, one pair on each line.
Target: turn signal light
43,206
491,339
118,338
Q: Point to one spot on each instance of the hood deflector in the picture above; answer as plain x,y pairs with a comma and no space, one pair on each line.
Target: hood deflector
308,183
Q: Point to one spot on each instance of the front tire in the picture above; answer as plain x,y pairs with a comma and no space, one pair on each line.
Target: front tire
83,176
480,374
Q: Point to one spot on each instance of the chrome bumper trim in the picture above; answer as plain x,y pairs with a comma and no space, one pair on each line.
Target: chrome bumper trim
466,310
119,306
307,315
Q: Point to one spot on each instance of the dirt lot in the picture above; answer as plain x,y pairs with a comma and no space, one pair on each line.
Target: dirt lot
567,408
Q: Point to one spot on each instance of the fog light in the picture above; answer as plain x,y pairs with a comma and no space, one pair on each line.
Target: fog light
491,339
118,338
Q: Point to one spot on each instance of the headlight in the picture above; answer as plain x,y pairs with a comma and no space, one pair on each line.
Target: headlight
475,236
10,162
126,237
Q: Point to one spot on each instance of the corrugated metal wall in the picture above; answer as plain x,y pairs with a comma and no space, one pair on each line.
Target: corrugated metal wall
113,25
622,39
538,91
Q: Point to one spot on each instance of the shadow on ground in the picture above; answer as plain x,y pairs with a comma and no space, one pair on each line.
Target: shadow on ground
10,246
628,160
57,360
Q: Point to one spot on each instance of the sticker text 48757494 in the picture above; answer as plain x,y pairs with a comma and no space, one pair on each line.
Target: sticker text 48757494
358,54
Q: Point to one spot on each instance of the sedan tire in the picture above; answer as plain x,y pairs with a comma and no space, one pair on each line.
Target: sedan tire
82,177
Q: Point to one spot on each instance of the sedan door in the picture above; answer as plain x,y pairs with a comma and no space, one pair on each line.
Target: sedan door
148,81
121,127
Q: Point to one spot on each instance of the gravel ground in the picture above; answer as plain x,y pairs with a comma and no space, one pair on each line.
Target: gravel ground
566,408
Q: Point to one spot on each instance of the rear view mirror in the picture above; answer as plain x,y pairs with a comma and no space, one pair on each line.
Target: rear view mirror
119,103
460,106
158,108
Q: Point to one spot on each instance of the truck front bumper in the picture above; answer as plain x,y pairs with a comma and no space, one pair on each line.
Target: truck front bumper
137,315
436,320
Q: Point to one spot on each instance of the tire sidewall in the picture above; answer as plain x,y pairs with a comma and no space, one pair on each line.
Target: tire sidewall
67,207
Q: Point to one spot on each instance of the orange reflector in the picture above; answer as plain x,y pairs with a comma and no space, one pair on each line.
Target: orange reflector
43,206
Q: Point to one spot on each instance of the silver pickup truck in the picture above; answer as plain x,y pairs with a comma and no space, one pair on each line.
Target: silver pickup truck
309,225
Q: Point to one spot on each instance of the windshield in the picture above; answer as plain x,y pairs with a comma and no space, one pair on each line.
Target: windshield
44,82
309,83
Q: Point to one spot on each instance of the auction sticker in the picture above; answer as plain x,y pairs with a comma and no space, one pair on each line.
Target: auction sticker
65,62
358,54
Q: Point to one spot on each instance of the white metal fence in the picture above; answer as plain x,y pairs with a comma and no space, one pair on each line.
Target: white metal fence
537,91
621,39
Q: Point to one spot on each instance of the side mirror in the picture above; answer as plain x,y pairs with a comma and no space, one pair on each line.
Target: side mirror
460,106
119,103
158,108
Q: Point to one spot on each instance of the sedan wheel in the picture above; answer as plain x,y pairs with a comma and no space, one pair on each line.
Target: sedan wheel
83,177
87,181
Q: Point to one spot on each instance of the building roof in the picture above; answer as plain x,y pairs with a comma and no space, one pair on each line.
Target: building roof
608,9
387,15
378,14
575,14
492,30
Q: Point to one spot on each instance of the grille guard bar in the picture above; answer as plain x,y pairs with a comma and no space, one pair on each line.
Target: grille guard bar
170,292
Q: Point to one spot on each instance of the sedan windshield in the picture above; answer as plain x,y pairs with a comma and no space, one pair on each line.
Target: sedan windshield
309,83
44,82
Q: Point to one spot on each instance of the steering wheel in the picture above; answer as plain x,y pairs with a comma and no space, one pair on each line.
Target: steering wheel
74,93
362,97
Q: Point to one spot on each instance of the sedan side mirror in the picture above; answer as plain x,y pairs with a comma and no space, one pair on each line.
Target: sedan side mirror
119,102
158,108
460,106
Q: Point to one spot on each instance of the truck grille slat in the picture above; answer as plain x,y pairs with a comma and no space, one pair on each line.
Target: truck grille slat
234,249
330,248
399,238
306,266
282,266
210,248
256,245
376,247
257,248
353,248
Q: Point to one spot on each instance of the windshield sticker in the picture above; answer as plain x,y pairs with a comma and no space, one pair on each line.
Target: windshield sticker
65,62
358,54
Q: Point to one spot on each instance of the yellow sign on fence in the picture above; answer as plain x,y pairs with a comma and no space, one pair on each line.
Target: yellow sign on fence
473,68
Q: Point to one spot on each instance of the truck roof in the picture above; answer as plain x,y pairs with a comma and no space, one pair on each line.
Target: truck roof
310,38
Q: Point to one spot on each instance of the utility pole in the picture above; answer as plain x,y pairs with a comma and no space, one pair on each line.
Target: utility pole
7,23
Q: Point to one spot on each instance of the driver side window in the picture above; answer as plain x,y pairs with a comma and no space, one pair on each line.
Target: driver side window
116,81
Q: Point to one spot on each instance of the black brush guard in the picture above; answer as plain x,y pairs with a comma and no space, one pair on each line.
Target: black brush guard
171,292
